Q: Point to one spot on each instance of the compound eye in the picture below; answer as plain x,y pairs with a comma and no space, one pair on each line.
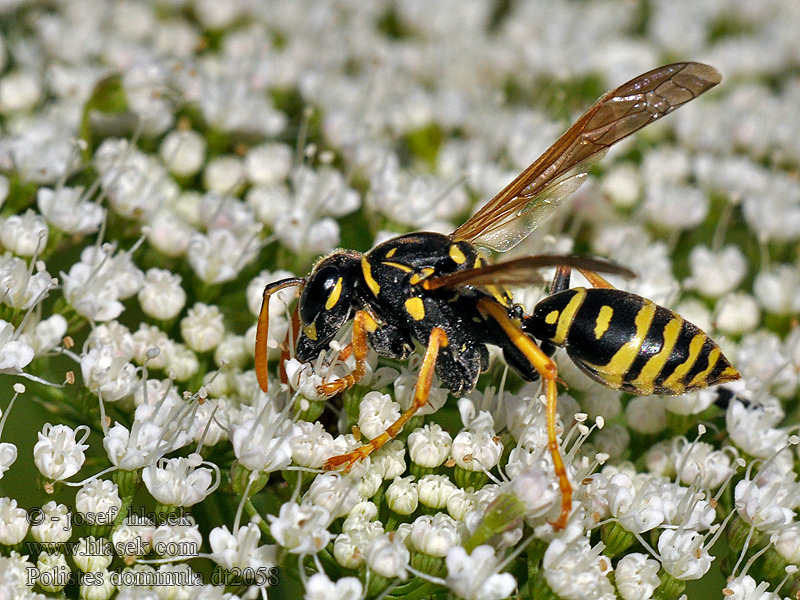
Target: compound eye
318,294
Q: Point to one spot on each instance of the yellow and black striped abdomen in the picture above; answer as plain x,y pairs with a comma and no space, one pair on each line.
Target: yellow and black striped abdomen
630,343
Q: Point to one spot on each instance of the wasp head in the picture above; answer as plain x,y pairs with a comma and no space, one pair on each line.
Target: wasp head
326,302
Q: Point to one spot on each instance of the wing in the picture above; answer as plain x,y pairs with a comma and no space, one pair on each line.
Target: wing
522,271
525,202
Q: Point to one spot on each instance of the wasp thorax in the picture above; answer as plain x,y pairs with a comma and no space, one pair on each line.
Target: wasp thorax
326,302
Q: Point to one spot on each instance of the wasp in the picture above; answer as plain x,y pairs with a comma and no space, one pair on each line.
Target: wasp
441,291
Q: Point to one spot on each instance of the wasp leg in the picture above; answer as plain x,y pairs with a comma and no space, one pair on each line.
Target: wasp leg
595,279
549,374
363,323
561,279
438,339
288,342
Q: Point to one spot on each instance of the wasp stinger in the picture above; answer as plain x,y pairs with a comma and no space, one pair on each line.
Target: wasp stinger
441,291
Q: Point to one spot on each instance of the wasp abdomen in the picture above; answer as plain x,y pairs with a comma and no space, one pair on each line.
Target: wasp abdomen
630,343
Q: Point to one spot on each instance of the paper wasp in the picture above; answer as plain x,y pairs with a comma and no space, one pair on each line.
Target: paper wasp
442,292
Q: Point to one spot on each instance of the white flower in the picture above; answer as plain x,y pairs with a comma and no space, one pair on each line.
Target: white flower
24,234
638,510
646,414
223,174
169,233
220,255
312,445
107,373
55,525
435,491
575,570
161,295
13,522
387,555
744,587
202,328
268,164
93,554
436,535
623,184
319,587
268,202
8,456
137,185
98,501
68,210
429,445
716,273
183,151
335,493
636,576
179,481
19,90
700,462
736,313
389,461
537,491
14,355
683,554
133,536
95,285
752,429
475,576
49,568
675,206
180,539
59,454
301,528
477,451
349,545
402,495
778,289
45,335
264,443
242,550
375,413
767,502
788,543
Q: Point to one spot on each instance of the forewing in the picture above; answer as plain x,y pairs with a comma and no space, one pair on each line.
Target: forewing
525,202
522,271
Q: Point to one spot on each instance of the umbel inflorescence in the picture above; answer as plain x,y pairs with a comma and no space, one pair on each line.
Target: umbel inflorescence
161,162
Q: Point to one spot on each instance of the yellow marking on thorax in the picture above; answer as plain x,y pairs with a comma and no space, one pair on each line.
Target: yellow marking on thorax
457,255
673,382
551,317
645,381
423,274
567,315
614,370
415,308
311,332
373,285
402,267
603,320
391,252
333,298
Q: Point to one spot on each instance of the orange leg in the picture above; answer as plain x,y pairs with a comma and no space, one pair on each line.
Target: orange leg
595,279
363,323
288,342
438,339
547,370
262,329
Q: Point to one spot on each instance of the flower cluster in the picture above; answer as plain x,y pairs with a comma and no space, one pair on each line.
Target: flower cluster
162,161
